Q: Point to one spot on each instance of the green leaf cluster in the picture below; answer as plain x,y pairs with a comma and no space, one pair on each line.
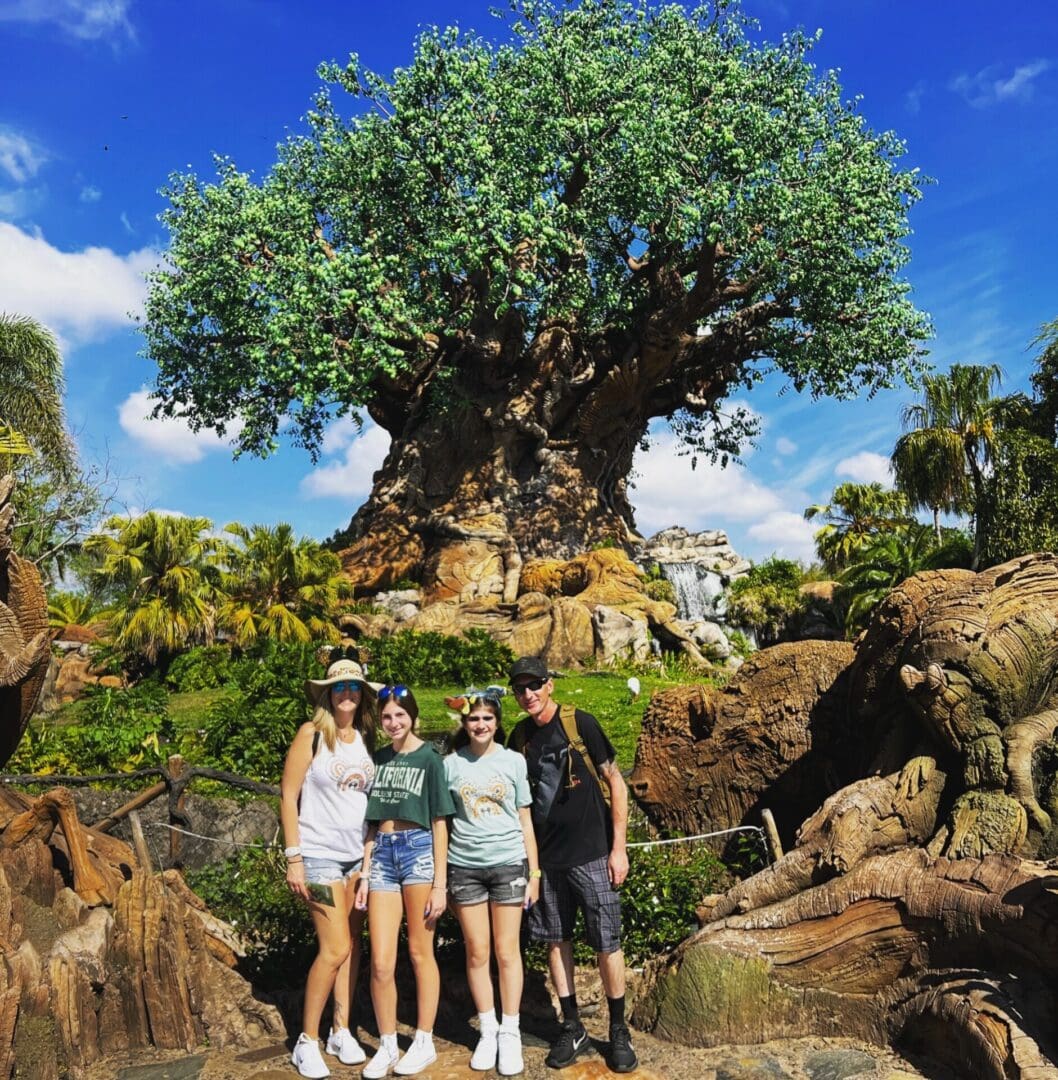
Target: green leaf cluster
432,659
609,161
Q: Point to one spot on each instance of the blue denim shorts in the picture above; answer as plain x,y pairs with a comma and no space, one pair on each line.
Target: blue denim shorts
325,871
402,858
500,884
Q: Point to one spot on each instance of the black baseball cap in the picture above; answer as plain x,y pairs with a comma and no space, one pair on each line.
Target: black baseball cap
532,666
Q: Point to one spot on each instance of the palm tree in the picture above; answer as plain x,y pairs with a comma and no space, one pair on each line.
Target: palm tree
855,514
890,558
947,444
74,609
167,567
31,389
280,587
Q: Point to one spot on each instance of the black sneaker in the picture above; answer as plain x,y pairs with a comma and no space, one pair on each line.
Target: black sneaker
570,1044
622,1053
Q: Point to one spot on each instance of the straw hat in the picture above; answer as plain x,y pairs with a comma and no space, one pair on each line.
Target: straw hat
342,671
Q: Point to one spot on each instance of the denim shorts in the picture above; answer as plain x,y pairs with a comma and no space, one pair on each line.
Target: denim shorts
325,871
402,858
500,884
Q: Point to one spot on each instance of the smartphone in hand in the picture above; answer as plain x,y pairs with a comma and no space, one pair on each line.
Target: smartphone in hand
322,894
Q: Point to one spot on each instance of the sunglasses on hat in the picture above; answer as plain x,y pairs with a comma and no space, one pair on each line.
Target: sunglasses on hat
399,691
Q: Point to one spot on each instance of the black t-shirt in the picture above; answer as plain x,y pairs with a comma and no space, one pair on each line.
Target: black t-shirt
578,827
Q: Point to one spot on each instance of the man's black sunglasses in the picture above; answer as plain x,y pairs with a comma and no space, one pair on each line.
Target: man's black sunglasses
532,684
399,691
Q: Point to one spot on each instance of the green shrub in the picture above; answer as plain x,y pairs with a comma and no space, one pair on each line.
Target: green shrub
249,891
660,589
768,600
205,667
433,659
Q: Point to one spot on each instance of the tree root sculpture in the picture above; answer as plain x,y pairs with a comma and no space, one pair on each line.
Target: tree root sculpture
912,908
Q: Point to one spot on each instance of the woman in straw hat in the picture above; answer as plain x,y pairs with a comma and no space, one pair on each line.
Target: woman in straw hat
327,778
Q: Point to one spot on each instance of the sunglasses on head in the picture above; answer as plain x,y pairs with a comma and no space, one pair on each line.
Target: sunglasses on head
399,691
532,684
350,685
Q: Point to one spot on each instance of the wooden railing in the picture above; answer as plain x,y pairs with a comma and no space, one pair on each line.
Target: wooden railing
175,777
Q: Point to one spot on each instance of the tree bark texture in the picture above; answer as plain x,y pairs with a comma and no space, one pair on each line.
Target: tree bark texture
535,460
913,907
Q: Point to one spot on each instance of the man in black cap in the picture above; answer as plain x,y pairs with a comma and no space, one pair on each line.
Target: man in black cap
580,817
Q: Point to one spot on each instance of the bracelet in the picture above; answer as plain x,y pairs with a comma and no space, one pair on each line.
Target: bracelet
535,874
295,859
291,852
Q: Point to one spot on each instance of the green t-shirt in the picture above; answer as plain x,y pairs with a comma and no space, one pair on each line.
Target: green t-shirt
486,829
409,787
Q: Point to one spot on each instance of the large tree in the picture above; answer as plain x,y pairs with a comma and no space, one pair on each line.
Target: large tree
514,256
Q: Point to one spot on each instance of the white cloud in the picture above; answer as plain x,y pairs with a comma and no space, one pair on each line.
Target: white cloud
866,468
19,158
169,438
81,295
90,194
669,492
85,19
340,434
986,87
785,446
124,219
913,98
19,203
352,475
787,534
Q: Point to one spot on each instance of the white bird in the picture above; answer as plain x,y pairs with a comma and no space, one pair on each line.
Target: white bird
633,688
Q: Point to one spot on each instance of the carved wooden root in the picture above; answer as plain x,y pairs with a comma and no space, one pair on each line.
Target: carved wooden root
898,949
78,984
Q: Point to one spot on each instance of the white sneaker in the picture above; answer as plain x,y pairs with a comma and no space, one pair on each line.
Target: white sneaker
510,1053
484,1056
420,1054
380,1064
343,1045
307,1058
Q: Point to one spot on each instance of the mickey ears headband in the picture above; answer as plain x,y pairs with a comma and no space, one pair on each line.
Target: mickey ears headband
464,702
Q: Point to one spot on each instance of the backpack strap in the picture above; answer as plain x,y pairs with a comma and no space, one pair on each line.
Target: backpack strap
571,727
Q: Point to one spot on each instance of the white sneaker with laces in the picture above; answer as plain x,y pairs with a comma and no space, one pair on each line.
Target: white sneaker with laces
384,1060
343,1045
307,1058
484,1056
510,1053
420,1054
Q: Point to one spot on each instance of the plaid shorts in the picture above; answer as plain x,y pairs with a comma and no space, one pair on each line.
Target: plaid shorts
588,888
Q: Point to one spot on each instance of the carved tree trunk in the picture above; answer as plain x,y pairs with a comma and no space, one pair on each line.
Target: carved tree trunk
910,909
536,462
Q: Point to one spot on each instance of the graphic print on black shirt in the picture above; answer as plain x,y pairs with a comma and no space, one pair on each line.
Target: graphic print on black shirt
578,826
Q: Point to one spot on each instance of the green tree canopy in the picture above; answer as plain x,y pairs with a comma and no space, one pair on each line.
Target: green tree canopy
855,514
623,213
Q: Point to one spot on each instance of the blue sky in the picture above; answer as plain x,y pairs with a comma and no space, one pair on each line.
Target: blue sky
101,99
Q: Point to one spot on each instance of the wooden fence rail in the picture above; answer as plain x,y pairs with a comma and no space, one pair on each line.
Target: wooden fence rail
176,775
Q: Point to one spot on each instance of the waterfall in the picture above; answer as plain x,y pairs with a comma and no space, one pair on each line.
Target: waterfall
699,592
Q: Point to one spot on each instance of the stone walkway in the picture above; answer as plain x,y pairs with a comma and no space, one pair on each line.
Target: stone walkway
800,1059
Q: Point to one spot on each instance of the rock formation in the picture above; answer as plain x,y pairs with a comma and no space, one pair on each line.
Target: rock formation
922,769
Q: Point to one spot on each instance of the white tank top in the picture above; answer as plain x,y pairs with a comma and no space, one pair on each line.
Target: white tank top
333,801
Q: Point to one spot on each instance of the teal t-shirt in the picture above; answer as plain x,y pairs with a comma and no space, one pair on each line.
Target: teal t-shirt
409,787
487,792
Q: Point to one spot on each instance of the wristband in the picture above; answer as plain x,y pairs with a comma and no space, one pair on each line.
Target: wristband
535,874
292,852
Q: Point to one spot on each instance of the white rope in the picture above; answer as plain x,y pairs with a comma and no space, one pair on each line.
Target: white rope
700,836
212,839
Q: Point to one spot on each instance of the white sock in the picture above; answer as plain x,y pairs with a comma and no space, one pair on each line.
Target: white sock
487,1021
388,1042
423,1036
510,1023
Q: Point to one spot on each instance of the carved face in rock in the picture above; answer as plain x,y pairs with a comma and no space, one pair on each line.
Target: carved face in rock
946,699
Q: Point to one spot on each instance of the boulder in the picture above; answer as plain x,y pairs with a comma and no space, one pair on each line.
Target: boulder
709,637
572,637
619,635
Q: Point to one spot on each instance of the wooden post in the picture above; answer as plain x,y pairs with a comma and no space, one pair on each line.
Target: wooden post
139,842
771,834
178,781
144,797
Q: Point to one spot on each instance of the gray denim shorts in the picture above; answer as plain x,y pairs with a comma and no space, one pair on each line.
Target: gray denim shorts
500,884
326,871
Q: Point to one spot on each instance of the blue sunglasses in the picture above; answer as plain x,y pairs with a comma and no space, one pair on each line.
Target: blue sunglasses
350,685
399,691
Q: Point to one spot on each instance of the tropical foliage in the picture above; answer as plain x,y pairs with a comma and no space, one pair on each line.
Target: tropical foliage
768,600
854,515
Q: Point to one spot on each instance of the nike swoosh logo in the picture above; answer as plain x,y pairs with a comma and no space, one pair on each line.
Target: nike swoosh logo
578,1043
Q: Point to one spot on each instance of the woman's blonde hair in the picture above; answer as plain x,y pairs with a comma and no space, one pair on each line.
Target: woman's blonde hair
365,721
